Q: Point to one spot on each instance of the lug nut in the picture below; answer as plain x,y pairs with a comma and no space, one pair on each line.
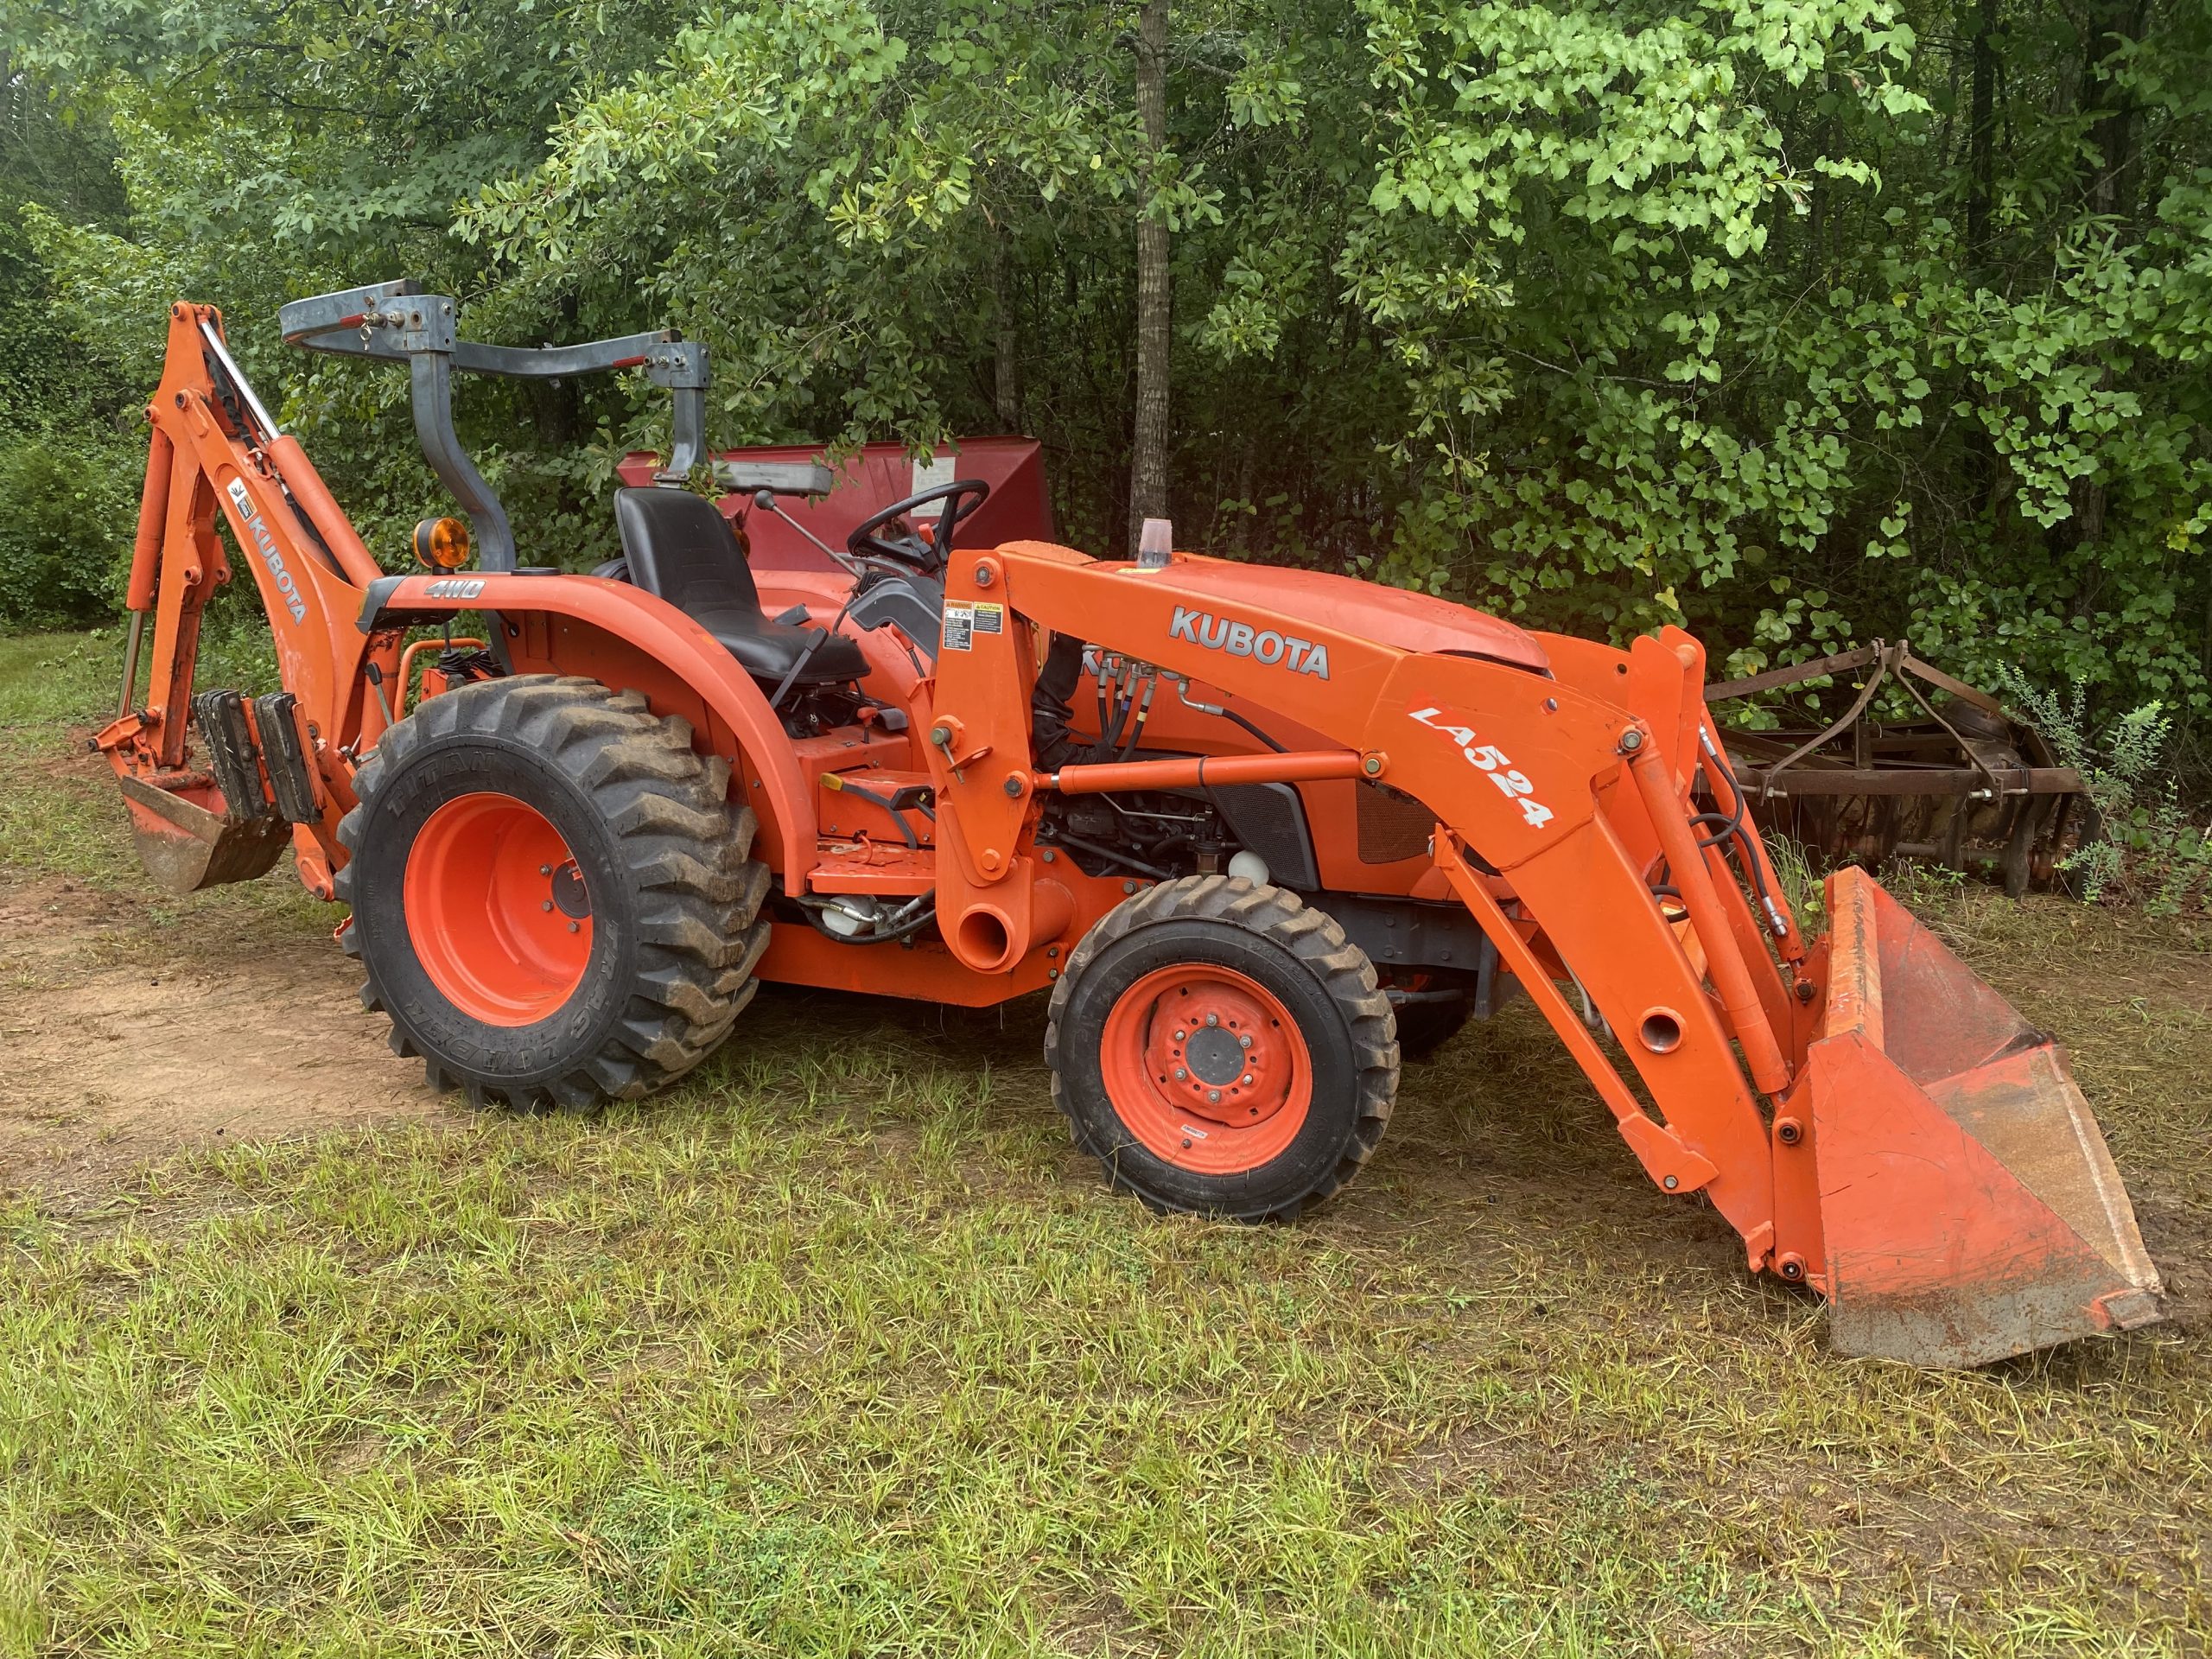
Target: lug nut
1213,1096
1245,1041
1213,1019
1182,1075
1247,1080
576,927
548,905
545,869
1180,1035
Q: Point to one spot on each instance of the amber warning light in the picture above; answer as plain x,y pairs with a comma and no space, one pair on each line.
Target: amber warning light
442,544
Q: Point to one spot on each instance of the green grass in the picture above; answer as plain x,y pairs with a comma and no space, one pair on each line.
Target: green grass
837,1349
60,816
53,688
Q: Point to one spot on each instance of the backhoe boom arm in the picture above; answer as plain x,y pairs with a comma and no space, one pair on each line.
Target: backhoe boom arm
215,448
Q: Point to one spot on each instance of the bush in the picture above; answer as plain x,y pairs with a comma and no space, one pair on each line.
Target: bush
2144,847
68,509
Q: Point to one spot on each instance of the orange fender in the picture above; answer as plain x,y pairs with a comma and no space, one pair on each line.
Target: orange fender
626,638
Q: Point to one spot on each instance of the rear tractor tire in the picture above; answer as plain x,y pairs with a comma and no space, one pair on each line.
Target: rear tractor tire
553,898
1222,1049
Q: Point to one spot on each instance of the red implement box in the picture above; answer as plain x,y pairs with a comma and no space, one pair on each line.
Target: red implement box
879,475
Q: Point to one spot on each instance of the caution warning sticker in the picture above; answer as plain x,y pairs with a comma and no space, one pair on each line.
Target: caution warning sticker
960,628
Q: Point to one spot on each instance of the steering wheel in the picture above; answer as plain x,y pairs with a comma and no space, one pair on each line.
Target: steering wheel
907,546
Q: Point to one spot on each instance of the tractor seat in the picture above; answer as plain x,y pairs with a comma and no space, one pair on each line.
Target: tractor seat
681,548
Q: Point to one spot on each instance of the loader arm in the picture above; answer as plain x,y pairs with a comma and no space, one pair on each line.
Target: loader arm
1526,772
1561,776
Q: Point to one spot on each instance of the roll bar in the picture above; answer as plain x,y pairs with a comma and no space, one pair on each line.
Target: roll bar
396,322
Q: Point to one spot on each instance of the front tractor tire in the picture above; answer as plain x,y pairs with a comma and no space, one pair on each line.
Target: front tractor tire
1222,1049
552,896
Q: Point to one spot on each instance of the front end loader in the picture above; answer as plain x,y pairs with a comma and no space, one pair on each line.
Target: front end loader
1262,834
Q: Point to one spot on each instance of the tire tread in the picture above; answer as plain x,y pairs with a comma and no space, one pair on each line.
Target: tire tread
1311,935
699,891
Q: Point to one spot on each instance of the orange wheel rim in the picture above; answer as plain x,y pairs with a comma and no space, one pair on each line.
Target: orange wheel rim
1206,1068
496,910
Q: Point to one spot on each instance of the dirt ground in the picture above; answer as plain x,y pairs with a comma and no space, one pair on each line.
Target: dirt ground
126,1039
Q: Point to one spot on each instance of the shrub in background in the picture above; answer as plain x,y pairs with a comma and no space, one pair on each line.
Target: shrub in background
2143,846
69,508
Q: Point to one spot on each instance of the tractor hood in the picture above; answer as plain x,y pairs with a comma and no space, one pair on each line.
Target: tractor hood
1390,616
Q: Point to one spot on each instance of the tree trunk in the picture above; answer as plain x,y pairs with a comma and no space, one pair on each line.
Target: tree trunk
1981,138
2112,25
1005,389
1981,167
1148,448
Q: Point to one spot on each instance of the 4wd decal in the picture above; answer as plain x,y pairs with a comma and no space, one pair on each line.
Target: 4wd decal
265,544
1236,638
1493,763
454,587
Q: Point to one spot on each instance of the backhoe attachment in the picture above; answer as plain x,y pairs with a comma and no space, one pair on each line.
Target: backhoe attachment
187,840
218,785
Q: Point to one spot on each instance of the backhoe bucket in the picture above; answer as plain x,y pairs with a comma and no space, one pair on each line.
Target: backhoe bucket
1970,1209
186,844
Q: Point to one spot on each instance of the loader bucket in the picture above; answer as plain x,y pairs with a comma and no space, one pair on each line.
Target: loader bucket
1970,1209
186,844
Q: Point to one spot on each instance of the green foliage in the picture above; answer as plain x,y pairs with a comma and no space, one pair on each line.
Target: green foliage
67,507
1800,321
2144,847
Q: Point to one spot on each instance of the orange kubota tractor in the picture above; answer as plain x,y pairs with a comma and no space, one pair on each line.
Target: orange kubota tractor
1261,832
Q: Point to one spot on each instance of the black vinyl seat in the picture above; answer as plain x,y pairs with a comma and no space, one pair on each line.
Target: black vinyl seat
681,548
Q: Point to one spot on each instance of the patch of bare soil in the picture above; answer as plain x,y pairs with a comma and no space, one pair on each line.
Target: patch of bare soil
124,1042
